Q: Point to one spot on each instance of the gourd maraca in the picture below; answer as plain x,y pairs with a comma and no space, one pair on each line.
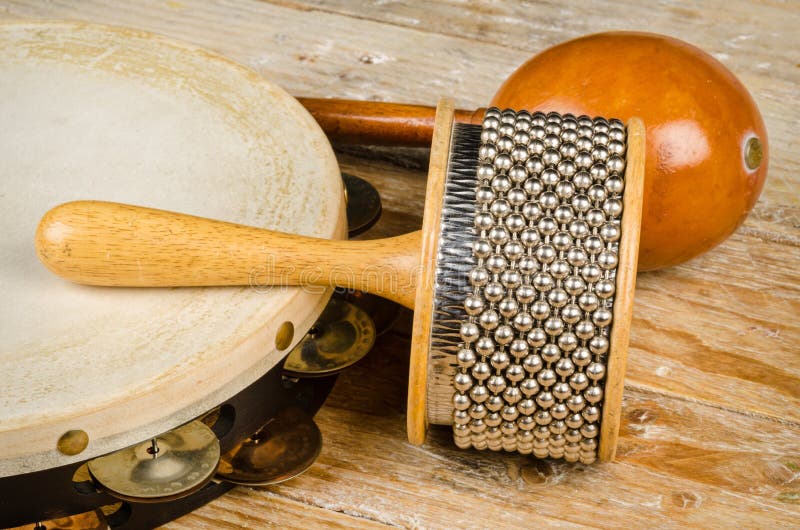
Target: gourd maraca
706,141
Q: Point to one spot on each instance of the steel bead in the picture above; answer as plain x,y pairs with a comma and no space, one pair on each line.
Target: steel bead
481,371
487,153
478,393
500,360
523,322
578,381
477,411
581,203
612,207
461,401
574,421
546,377
576,256
591,414
602,317
489,135
584,329
477,426
496,384
559,411
570,313
573,436
518,347
545,399
561,241
589,430
574,285
508,307
504,144
557,428
527,406
492,420
494,403
604,288
478,276
536,337
482,248
553,326
469,332
614,184
610,232
494,291
466,358
542,418
515,373
484,346
562,391
588,301
564,368
595,371
509,413
558,297
591,272
593,244
489,319
512,394
505,129
541,432
543,281
598,344
462,381
508,428
529,387
460,417
593,394
581,356
576,403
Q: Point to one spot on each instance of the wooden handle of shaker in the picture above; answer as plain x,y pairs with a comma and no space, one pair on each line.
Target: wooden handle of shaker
105,243
379,123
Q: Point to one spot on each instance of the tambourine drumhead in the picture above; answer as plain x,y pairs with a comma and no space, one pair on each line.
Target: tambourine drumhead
91,112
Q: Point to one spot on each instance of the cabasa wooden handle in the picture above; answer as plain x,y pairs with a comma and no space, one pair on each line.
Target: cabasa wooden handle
105,243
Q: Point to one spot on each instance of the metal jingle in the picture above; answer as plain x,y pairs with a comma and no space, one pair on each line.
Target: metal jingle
342,335
363,204
384,313
170,466
282,449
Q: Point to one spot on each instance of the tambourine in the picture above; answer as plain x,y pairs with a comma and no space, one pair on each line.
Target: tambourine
146,403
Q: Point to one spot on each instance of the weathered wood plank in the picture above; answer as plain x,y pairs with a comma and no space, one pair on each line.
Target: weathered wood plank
710,433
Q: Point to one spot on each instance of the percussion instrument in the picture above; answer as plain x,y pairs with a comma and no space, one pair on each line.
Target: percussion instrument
114,397
521,278
706,141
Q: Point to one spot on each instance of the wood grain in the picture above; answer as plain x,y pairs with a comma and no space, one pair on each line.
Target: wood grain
625,287
710,434
121,245
418,379
379,123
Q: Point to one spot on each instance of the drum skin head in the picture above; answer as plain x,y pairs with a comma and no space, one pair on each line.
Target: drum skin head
94,112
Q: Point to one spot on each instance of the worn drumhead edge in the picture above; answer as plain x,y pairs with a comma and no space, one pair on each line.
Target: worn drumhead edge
626,284
94,112
417,421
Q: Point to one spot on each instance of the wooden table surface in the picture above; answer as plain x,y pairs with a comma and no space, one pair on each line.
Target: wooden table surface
711,427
